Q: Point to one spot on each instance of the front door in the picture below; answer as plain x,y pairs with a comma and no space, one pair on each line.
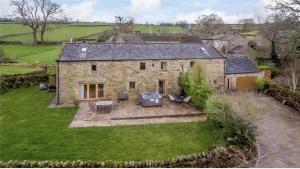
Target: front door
162,87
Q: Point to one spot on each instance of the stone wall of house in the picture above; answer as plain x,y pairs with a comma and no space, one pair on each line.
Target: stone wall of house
116,76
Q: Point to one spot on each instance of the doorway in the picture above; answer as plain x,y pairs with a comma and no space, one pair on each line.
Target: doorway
162,87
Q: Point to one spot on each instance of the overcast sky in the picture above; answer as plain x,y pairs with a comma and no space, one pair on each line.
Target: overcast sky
155,11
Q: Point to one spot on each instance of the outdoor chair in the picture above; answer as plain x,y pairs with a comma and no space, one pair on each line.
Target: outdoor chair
187,99
92,106
171,97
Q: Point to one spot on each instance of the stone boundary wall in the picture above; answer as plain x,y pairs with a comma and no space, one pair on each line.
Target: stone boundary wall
220,157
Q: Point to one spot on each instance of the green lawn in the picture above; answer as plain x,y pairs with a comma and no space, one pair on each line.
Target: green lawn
46,54
31,131
8,70
61,34
156,28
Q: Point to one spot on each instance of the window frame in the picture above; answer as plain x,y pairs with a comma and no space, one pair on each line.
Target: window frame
92,68
145,65
130,85
86,87
161,66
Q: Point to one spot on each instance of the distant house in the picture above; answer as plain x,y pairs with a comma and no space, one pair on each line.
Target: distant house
241,73
236,43
100,71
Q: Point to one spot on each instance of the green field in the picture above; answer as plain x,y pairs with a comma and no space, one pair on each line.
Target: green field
6,29
31,131
46,54
156,28
7,70
61,34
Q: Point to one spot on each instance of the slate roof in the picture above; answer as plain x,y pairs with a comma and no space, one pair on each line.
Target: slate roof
239,64
124,51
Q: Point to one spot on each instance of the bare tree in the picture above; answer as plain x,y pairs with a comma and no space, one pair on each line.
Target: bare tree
210,23
124,24
48,9
36,14
28,11
292,74
248,23
183,24
283,33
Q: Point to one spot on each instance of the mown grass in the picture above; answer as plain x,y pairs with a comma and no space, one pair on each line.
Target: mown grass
7,29
44,54
31,131
63,33
8,70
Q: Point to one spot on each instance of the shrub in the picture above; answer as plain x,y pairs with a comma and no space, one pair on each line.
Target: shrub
199,93
217,108
194,84
238,131
237,128
260,83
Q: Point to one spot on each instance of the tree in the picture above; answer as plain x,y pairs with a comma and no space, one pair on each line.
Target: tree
124,24
183,24
48,9
36,14
292,74
247,23
284,27
210,23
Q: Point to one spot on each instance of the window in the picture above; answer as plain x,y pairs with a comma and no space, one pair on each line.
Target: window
163,65
94,68
131,85
100,90
92,91
192,64
142,66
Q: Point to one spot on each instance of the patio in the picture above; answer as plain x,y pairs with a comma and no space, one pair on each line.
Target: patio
128,113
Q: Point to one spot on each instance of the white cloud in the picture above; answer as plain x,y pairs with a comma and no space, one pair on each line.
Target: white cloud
83,11
227,18
260,8
143,7
6,8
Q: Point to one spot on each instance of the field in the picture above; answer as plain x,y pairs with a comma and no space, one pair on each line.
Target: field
46,54
65,32
31,131
15,70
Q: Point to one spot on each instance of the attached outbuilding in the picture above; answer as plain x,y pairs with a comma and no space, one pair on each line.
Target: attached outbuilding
241,73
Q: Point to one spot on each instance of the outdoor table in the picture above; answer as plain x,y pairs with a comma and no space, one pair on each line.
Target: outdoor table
104,106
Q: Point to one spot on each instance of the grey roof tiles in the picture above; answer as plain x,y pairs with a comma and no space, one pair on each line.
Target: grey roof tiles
239,64
123,52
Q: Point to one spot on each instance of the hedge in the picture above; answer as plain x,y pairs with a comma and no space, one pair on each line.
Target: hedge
283,93
220,157
22,80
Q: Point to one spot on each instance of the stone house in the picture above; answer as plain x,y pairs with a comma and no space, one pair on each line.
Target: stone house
241,73
100,71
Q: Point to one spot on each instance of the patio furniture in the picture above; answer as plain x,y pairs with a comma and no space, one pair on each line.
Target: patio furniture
187,99
104,106
122,95
92,106
171,97
150,99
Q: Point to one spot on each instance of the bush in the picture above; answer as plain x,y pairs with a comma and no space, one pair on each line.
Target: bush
194,84
260,83
217,108
237,129
199,93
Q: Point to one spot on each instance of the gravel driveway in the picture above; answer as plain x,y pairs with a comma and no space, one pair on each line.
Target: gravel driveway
278,128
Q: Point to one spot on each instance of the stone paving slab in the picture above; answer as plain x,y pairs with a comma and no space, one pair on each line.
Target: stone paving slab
128,113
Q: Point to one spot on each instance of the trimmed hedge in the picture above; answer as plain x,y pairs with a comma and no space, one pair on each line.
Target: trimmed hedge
218,158
22,80
282,93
